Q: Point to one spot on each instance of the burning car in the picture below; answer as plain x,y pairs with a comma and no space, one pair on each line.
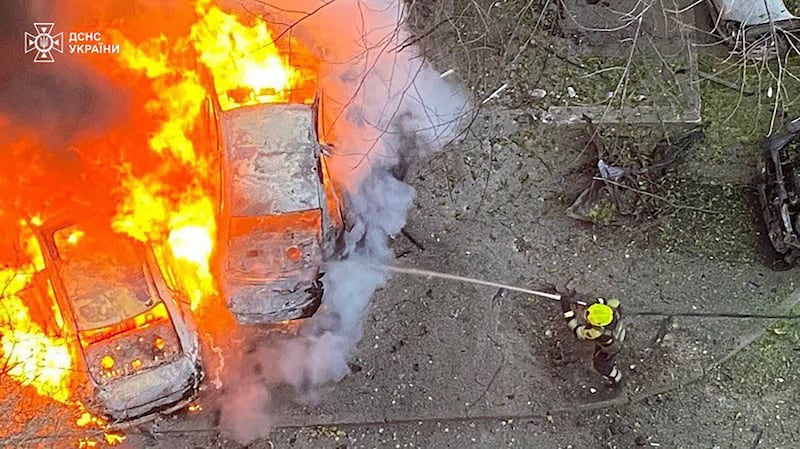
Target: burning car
281,216
135,341
778,183
755,29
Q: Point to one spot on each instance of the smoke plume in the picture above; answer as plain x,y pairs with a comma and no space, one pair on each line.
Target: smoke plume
383,106
58,100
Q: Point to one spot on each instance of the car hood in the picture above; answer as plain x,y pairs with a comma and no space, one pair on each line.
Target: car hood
133,351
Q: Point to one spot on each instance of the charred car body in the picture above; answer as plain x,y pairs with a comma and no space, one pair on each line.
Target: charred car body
136,341
755,29
280,216
778,187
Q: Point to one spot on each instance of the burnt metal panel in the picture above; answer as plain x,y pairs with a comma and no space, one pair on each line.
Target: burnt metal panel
263,283
275,301
103,294
271,153
137,344
151,391
264,254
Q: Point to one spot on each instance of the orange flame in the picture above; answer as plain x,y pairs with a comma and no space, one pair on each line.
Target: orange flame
163,189
191,241
31,356
246,64
113,439
247,68
154,209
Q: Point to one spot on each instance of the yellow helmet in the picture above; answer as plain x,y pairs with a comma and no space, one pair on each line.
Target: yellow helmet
599,314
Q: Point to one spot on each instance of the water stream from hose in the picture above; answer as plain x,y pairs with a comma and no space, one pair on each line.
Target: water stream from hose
436,274
555,297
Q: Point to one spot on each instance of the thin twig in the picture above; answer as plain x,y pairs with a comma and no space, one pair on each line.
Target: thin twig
653,195
411,239
723,82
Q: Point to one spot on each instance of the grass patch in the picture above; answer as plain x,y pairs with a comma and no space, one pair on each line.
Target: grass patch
723,232
741,117
768,366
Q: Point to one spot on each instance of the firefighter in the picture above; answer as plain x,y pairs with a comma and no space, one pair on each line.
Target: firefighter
600,321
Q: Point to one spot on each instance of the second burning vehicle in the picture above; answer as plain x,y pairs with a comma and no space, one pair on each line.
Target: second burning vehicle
135,341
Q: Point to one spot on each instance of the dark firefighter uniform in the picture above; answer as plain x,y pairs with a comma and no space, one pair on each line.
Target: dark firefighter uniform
600,321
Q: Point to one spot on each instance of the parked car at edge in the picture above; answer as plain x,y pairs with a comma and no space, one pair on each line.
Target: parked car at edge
136,339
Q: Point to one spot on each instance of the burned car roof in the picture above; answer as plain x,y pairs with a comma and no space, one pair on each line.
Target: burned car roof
271,155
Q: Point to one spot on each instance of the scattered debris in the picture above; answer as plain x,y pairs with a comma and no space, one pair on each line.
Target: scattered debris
755,30
495,94
500,296
333,432
778,192
628,188
538,94
758,435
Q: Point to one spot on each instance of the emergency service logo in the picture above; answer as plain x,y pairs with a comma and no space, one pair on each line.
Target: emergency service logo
44,43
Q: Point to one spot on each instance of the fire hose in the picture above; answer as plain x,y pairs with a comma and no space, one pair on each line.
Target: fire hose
556,297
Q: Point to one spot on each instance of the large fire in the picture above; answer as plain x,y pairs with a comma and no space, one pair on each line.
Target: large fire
153,176
246,65
31,357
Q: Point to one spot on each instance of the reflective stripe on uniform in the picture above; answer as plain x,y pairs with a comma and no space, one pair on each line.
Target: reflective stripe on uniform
569,314
572,324
621,336
588,333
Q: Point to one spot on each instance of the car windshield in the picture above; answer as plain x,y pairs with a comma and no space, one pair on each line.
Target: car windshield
103,274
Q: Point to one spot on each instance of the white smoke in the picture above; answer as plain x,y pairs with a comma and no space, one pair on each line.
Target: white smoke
384,106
